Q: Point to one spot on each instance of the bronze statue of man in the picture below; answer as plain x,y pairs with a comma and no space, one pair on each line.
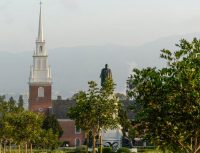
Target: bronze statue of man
105,74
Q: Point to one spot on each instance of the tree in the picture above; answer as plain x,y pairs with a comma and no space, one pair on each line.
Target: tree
47,139
6,107
12,104
51,122
52,139
20,102
124,122
169,99
25,126
81,114
74,96
6,133
96,109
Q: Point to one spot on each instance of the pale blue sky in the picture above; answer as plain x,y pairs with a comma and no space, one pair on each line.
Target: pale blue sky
95,22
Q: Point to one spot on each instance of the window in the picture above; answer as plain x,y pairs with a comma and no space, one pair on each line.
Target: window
77,130
77,142
40,92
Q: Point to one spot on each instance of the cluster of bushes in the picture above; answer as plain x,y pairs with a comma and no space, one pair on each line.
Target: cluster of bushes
105,150
82,149
123,150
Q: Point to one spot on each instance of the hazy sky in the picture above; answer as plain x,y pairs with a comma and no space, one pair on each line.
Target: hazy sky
95,22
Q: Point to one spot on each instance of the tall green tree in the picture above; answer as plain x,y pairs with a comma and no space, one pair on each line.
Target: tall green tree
169,99
124,122
51,122
96,109
20,102
47,139
6,107
12,104
81,114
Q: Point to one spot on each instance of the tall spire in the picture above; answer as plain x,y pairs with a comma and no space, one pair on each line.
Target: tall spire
40,29
40,71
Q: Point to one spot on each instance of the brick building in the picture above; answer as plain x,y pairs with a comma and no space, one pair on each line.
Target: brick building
72,135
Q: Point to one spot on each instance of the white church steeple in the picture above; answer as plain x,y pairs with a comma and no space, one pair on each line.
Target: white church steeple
40,80
40,29
40,70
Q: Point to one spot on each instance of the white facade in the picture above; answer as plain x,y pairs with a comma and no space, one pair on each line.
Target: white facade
40,71
112,136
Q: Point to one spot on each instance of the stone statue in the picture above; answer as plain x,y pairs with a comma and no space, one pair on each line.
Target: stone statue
105,74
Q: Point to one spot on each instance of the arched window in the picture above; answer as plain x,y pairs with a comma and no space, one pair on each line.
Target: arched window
77,142
40,92
77,130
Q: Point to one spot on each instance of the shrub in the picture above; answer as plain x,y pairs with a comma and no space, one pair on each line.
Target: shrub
123,150
68,150
57,151
105,150
14,151
81,149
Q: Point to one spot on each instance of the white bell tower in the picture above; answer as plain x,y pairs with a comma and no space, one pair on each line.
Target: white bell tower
40,70
40,79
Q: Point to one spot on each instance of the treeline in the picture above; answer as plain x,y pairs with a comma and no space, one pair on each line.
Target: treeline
24,128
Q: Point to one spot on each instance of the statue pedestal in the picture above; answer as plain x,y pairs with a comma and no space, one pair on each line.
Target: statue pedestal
112,138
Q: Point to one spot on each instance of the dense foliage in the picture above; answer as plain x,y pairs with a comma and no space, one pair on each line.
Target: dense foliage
96,109
124,121
169,99
107,150
123,150
23,127
51,122
20,102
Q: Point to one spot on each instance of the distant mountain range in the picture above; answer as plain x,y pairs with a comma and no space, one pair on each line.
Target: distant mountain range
73,67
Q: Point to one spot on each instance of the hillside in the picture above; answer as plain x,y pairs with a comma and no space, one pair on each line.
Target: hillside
73,67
